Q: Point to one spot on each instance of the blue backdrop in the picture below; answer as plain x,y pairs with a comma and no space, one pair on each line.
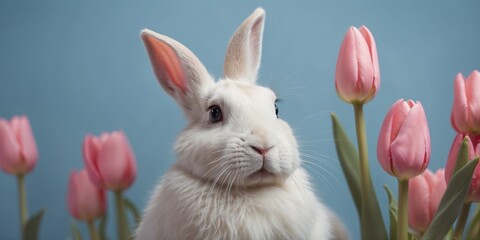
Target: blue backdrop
77,67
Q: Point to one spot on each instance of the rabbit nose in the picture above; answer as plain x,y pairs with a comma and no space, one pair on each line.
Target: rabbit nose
260,150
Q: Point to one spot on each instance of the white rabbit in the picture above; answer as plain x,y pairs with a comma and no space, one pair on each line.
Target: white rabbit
238,173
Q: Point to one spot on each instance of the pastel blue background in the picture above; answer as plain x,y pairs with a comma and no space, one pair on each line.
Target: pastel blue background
77,67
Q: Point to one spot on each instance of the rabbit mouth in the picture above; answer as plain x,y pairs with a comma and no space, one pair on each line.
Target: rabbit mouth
261,174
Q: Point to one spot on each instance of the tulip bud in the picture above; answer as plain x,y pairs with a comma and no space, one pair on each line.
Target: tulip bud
357,76
109,160
85,201
424,194
465,115
473,142
18,151
403,148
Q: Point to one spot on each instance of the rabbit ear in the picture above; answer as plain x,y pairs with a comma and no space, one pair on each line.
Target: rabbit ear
177,69
245,48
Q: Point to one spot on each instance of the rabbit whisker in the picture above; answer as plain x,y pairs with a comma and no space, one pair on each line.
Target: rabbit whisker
320,159
218,166
213,185
321,168
299,190
322,179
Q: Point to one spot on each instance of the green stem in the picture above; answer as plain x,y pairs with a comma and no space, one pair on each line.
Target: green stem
402,209
462,219
22,201
474,229
92,231
363,155
122,225
362,149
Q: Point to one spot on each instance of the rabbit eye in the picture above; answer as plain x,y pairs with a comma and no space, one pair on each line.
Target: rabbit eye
276,109
215,114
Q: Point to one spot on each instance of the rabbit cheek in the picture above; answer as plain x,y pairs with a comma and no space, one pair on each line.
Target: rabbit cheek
224,162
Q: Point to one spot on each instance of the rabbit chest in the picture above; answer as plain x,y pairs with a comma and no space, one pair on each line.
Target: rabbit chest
186,208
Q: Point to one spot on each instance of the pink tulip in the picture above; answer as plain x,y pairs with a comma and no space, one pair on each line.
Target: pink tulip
424,194
85,201
403,148
473,151
109,160
357,76
18,151
465,116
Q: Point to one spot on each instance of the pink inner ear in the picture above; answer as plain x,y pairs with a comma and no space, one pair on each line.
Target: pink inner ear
165,62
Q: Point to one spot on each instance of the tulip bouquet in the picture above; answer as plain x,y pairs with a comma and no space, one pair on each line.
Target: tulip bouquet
110,165
428,203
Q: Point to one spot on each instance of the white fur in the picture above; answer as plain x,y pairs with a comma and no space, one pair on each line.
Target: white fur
181,208
239,178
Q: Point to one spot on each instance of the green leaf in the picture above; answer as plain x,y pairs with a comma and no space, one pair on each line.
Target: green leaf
32,227
451,202
392,210
348,157
462,157
449,234
76,234
411,236
474,229
349,160
373,227
102,228
133,210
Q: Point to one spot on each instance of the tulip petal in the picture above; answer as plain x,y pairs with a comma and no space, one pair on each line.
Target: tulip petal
424,195
431,180
131,170
103,137
90,199
410,151
86,201
27,143
453,154
472,87
9,149
474,194
91,147
436,191
400,111
365,67
365,73
16,126
474,191
426,137
460,105
429,177
477,147
419,212
354,70
347,68
389,130
113,162
367,35
383,144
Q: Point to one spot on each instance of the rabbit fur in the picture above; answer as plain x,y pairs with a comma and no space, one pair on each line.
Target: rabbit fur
238,177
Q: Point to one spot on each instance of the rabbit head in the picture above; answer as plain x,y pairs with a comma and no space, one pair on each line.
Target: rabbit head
234,136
